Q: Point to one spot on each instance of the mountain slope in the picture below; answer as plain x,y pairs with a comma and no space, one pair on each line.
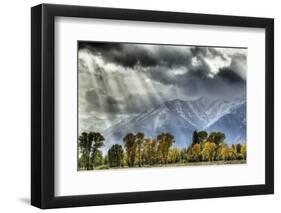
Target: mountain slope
181,118
233,124
152,122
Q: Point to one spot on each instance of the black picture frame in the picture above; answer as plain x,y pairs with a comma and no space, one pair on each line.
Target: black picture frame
43,102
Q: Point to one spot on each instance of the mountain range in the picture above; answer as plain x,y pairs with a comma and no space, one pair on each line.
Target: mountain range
181,118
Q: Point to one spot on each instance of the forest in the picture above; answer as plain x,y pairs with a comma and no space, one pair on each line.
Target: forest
137,150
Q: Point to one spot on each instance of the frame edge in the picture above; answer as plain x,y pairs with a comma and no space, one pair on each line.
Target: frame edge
42,126
36,85
269,113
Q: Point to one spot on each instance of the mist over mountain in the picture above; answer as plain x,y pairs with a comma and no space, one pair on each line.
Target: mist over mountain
181,118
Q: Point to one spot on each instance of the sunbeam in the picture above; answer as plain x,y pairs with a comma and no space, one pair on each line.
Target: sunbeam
118,82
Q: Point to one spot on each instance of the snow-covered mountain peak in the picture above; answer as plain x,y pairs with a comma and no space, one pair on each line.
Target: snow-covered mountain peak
181,118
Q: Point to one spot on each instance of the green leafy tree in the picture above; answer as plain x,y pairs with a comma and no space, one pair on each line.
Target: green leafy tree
130,146
231,153
149,151
197,138
184,155
96,153
222,152
85,141
89,144
115,156
165,141
196,152
83,161
105,159
209,151
139,142
174,155
99,140
244,151
97,158
202,136
216,137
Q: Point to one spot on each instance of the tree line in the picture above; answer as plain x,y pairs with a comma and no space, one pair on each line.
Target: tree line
137,150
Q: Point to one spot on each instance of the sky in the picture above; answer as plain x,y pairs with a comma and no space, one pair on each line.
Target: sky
119,80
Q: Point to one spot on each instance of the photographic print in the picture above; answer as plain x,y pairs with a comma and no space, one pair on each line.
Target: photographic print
159,105
104,109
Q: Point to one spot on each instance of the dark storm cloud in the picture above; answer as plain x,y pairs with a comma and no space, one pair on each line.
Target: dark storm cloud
230,76
129,55
159,59
101,46
225,84
188,69
124,55
239,64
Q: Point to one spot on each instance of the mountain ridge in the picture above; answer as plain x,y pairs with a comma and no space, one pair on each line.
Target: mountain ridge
181,118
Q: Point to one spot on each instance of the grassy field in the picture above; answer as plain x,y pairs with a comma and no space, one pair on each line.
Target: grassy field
104,167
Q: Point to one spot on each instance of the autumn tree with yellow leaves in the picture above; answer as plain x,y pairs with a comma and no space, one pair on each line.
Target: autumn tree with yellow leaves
138,150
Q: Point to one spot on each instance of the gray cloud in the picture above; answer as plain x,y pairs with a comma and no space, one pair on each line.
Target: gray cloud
132,78
230,76
129,55
133,103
